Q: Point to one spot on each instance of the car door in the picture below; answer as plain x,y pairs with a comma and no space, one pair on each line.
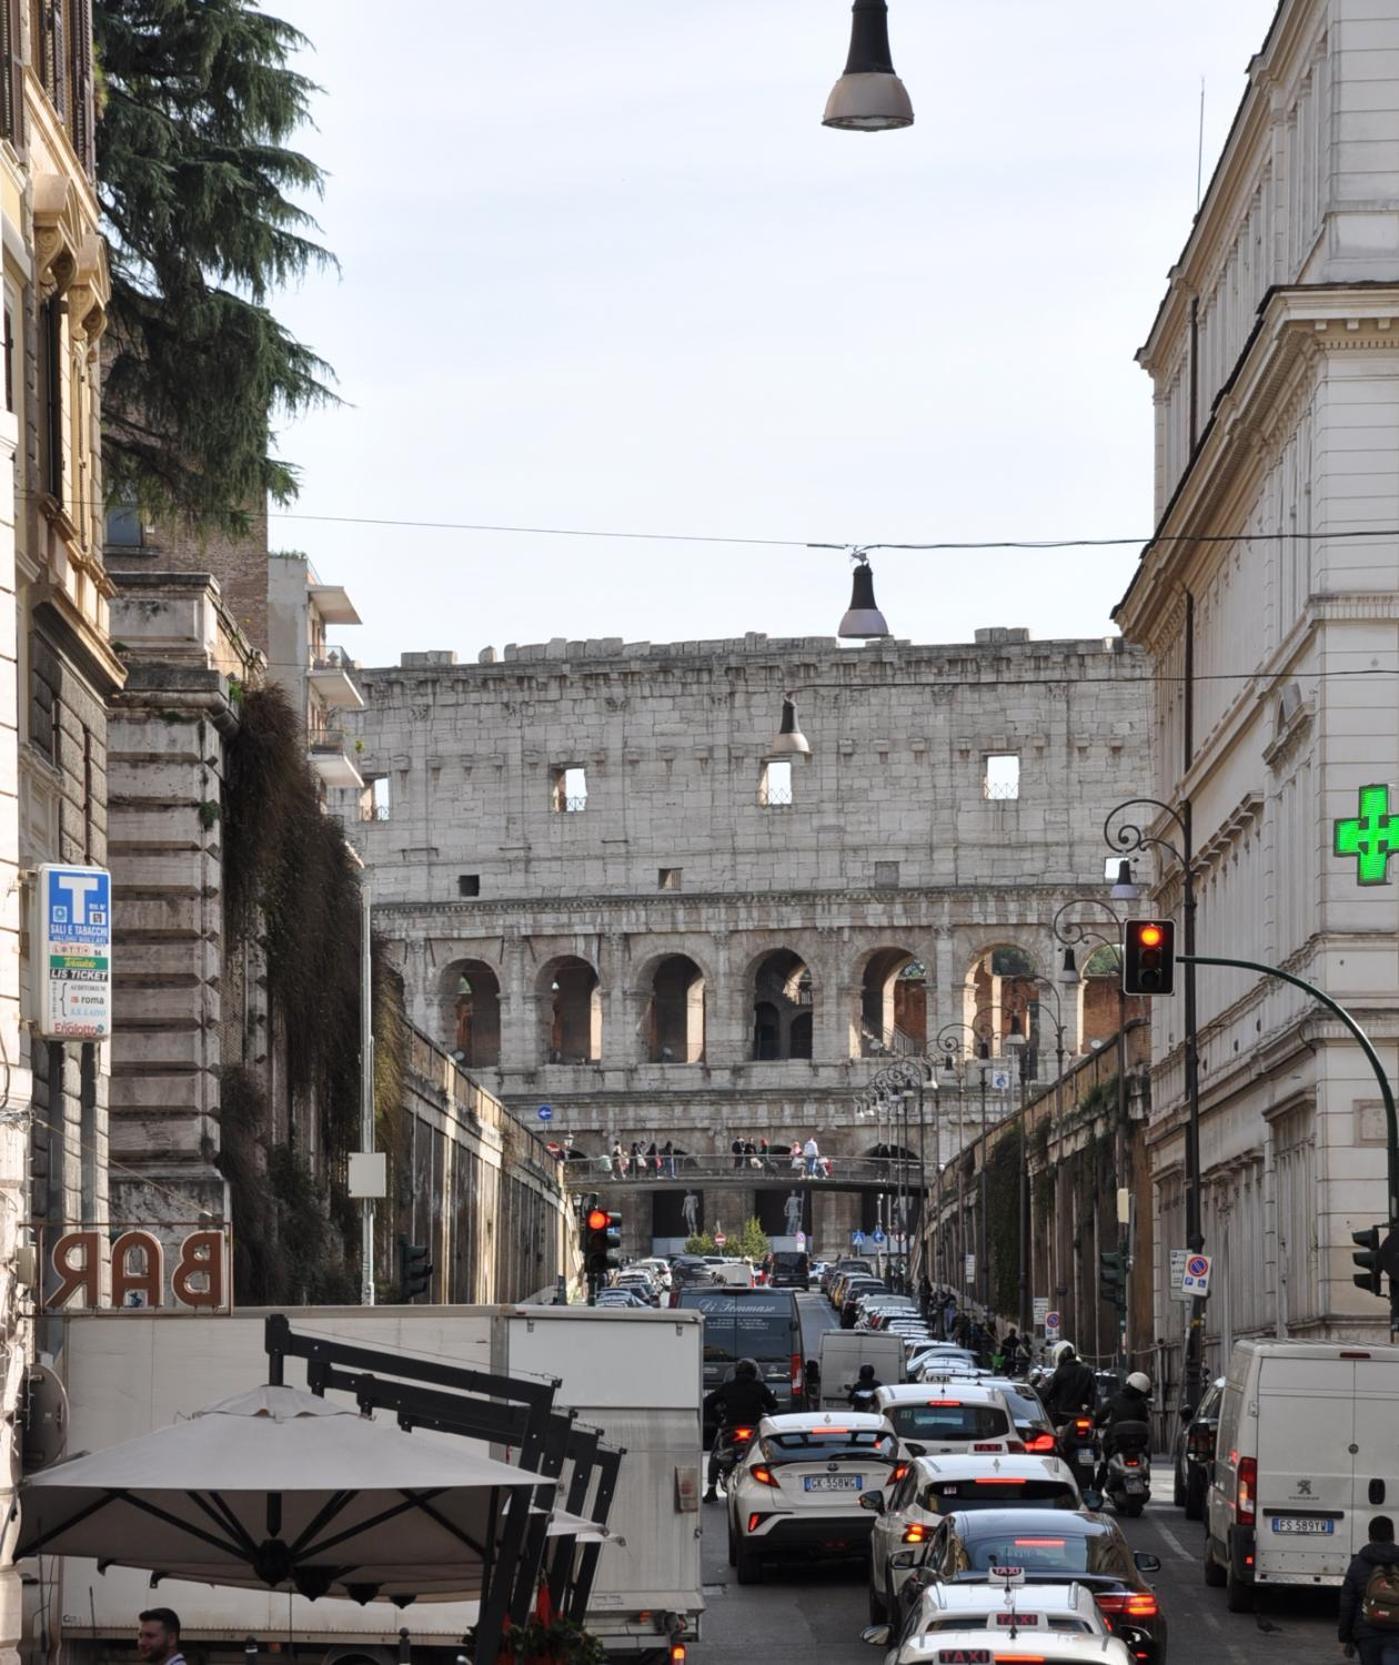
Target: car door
888,1527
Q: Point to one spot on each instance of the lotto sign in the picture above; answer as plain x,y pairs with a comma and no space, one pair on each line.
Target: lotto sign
72,931
1195,1284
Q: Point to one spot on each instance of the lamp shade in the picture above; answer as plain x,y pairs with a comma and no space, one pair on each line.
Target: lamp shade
1126,889
869,97
863,619
1068,974
790,741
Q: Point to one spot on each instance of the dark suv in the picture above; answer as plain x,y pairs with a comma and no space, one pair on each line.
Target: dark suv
1194,1452
788,1269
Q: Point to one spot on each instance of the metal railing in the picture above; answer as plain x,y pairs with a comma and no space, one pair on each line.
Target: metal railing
335,659
777,1167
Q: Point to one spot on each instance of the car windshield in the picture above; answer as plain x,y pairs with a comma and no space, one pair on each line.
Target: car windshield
1046,1551
987,1491
948,1420
799,1445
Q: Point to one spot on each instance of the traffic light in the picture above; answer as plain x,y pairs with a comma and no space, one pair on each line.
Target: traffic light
602,1242
414,1270
1112,1277
1371,1274
1148,956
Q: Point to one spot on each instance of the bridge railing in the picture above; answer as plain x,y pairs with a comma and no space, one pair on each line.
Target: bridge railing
776,1169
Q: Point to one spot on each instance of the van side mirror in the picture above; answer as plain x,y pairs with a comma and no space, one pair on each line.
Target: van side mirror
1147,1563
874,1502
876,1635
917,1450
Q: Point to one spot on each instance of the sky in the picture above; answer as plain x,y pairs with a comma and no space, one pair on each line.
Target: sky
602,269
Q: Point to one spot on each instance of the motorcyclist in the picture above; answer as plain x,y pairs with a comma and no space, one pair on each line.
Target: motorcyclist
741,1402
862,1392
1070,1390
1131,1403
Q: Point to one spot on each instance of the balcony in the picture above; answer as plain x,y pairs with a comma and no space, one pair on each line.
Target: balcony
331,759
333,604
331,677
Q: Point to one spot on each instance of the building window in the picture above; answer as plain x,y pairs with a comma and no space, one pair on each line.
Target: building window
51,391
468,884
886,875
11,78
124,529
1002,776
568,788
775,784
9,354
669,878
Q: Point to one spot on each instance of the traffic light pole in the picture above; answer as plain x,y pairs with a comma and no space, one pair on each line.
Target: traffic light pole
1391,1116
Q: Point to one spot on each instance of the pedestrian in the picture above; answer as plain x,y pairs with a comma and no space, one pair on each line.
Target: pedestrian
653,1157
638,1159
925,1296
668,1155
737,1149
763,1152
1369,1617
619,1159
750,1154
796,1156
158,1639
812,1152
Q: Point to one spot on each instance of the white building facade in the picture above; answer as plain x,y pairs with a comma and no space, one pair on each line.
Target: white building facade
1269,603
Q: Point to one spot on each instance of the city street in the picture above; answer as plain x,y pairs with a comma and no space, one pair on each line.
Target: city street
814,1615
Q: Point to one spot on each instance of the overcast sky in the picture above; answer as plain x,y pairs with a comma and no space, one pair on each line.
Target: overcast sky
603,268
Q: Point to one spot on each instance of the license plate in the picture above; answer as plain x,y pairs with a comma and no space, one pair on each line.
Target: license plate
1303,1526
833,1482
1134,1484
1084,1457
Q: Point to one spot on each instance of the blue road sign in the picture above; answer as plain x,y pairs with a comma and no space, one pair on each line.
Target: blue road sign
546,1112
878,1237
857,1237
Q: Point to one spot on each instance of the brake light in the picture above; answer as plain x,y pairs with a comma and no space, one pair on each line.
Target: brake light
943,1404
763,1474
1141,1607
897,1473
743,1433
677,1653
1083,1425
1247,1490
796,1372
999,1480
1041,1442
1038,1543
915,1534
1131,1462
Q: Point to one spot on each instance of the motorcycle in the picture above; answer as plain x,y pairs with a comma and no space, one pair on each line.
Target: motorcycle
1078,1446
730,1443
861,1398
1127,1472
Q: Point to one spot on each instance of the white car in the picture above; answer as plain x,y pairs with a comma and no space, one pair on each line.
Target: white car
796,1492
931,1487
1040,1611
1023,1637
951,1415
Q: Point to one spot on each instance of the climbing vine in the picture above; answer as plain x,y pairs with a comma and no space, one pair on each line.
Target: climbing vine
1003,1221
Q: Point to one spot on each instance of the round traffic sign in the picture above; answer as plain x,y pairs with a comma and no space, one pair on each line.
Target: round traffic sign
1051,1320
719,1240
801,1239
878,1237
546,1112
1197,1266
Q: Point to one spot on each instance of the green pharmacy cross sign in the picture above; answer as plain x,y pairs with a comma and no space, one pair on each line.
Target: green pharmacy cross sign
1372,837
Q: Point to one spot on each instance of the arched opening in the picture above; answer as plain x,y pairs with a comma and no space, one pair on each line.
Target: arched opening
1100,990
1003,999
896,1169
570,1008
471,1014
782,1008
675,1012
893,1004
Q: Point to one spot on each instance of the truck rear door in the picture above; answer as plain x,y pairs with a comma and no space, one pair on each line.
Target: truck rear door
1374,1444
1306,1426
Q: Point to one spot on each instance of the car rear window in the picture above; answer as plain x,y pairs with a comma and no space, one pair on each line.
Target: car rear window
1065,1624
1048,1551
823,1444
760,1326
943,1497
948,1421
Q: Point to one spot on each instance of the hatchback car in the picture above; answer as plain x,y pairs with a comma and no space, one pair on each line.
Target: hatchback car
797,1490
975,1647
1085,1547
1032,1422
952,1415
1194,1452
1044,1611
909,1512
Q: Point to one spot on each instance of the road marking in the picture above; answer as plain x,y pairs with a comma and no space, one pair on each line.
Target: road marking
1175,1543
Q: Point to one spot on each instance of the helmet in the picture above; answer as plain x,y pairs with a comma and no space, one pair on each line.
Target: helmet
1064,1353
1140,1381
866,1372
746,1370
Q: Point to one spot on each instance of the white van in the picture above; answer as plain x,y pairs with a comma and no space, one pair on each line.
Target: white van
1306,1454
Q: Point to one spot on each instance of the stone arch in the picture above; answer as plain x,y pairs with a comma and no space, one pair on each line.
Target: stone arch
784,1004
1000,995
568,995
893,992
673,1019
469,1012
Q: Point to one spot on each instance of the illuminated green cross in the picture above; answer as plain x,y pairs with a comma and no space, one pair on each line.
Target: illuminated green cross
1372,837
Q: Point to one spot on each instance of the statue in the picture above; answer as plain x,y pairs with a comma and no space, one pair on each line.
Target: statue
690,1208
794,1212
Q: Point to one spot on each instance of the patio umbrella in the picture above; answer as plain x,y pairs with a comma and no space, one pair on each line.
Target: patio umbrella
279,1489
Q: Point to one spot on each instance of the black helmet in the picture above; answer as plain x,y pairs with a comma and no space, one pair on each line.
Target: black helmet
746,1370
866,1372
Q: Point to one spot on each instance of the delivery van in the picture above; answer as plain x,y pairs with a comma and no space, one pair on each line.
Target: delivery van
842,1354
1306,1454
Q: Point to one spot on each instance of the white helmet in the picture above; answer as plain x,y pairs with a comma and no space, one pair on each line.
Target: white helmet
1057,1351
1140,1381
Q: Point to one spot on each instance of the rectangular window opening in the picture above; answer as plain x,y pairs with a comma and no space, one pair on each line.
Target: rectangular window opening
468,884
124,529
1002,776
568,788
775,784
886,875
669,878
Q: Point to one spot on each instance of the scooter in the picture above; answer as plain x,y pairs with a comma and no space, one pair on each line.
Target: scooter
861,1398
729,1445
1127,1472
1078,1446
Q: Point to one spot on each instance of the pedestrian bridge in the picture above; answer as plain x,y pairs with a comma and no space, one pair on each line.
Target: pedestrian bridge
722,1171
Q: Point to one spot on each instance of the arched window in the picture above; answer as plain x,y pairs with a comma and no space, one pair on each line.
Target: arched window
570,1012
893,1004
783,1007
675,1012
471,1014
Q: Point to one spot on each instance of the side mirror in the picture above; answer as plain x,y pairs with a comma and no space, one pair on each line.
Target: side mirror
876,1635
1147,1563
874,1502
917,1450
1187,1412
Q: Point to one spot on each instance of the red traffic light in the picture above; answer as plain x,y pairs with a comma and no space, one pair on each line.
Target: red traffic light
1151,936
598,1219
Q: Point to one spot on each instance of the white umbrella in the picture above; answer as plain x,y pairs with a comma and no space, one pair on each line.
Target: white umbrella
279,1489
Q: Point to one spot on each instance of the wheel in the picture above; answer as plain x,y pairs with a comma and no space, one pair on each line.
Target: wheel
1131,1507
1195,1497
878,1611
1238,1596
1180,1489
749,1567
1215,1575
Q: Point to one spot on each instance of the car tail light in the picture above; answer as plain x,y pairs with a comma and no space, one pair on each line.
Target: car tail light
796,1372
1131,1462
1015,1445
677,1653
743,1434
897,1473
763,1474
1247,1490
1141,1606
1041,1442
754,1522
915,1533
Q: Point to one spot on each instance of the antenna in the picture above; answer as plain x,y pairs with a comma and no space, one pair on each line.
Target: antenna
1200,150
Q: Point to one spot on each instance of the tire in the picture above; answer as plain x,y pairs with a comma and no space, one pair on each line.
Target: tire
1131,1507
1195,1498
748,1566
1180,1490
1238,1596
879,1614
1215,1576
733,1552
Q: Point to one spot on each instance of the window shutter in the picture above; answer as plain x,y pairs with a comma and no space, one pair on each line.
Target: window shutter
82,97
11,80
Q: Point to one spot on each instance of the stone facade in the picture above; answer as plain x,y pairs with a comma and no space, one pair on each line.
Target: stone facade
1269,603
603,895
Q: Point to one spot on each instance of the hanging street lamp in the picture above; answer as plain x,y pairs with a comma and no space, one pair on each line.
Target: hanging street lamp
869,97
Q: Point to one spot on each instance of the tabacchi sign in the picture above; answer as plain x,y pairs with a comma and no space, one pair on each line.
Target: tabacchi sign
137,1269
72,932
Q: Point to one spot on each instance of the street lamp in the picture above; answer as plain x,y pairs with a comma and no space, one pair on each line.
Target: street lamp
869,97
1129,837
898,1083
862,619
790,741
950,1043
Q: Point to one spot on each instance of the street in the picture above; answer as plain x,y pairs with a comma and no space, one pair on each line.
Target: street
815,1614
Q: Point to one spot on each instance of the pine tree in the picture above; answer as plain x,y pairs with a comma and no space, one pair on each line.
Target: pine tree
196,103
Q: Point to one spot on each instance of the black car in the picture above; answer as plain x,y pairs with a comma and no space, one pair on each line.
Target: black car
1085,1547
1194,1452
787,1269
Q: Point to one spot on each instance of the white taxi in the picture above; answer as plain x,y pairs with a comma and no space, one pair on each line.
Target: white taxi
1007,1647
796,1492
931,1487
1045,1612
948,1415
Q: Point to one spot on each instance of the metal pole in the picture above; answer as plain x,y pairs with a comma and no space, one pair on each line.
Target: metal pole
1194,1232
982,1270
1124,1229
366,1089
922,1187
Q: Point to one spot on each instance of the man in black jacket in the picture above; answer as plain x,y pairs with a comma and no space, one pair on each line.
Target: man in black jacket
1376,1647
1070,1390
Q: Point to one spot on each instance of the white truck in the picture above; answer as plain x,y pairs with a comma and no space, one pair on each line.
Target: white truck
634,1375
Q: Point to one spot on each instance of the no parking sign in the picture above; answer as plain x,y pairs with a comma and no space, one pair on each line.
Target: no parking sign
1196,1281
